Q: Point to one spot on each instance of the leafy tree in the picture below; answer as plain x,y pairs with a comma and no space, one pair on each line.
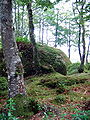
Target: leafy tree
80,15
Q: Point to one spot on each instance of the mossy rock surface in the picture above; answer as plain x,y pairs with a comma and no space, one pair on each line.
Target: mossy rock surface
50,59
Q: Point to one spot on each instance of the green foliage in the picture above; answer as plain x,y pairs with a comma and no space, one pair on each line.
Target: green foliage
87,67
61,87
3,83
3,86
73,68
47,114
26,106
7,111
81,115
22,39
44,4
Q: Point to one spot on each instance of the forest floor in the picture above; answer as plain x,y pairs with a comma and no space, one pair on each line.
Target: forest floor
64,95
61,97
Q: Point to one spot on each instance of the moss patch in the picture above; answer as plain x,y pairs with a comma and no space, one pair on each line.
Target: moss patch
3,86
47,87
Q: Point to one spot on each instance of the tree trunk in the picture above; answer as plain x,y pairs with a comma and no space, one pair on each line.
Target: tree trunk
88,51
81,69
69,42
18,22
56,33
13,61
22,20
79,42
42,31
32,37
15,16
47,34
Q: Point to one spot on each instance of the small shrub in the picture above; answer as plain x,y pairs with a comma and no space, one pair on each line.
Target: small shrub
60,99
61,87
7,111
73,68
81,115
87,67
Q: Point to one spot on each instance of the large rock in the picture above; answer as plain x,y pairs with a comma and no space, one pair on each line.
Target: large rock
50,59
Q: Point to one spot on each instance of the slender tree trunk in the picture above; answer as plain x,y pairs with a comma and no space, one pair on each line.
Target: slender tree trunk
47,34
42,30
81,69
22,20
18,21
88,51
32,37
13,61
15,15
79,42
56,36
69,49
69,42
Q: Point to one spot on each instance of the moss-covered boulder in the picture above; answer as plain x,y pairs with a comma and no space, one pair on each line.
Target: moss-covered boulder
54,57
50,59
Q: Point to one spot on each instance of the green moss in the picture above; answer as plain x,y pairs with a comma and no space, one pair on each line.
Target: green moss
25,106
55,53
3,86
46,87
50,59
54,57
60,99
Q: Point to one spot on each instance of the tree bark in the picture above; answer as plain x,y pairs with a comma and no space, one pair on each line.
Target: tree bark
79,42
10,50
81,69
32,37
56,32
42,31
18,21
15,15
22,20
